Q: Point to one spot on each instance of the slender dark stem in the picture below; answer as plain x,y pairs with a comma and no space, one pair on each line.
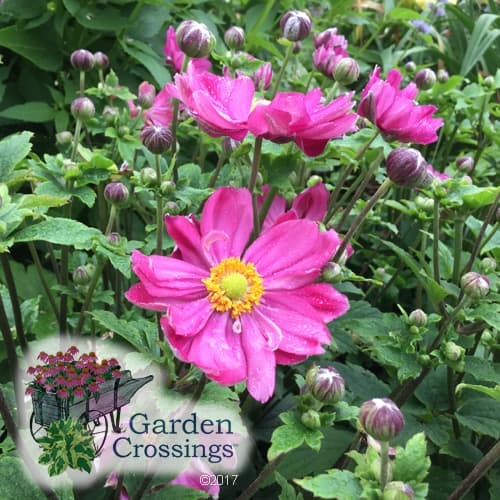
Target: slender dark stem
435,242
453,402
477,473
384,463
457,246
159,208
8,339
286,59
143,486
16,308
215,173
264,474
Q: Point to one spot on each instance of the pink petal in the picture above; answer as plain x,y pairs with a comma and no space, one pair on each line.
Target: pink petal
312,203
138,295
291,254
228,210
191,317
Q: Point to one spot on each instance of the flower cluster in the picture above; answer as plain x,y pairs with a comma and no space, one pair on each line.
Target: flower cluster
67,376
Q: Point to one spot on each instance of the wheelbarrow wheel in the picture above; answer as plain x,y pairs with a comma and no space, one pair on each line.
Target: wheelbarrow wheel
97,424
38,431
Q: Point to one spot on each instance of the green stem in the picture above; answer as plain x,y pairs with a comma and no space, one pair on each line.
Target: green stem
159,208
215,173
457,248
76,139
82,83
453,402
435,242
111,219
381,191
288,55
267,203
14,298
10,346
384,463
477,473
264,474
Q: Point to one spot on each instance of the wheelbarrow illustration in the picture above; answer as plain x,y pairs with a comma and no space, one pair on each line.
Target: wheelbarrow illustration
91,411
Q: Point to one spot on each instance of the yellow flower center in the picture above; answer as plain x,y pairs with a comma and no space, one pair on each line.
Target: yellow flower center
234,286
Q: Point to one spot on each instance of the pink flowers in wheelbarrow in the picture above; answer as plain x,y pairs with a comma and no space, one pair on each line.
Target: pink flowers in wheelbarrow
237,308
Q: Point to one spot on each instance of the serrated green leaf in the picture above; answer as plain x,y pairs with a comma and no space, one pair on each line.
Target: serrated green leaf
118,260
482,370
481,416
42,201
493,392
412,463
336,484
60,231
463,450
13,149
287,490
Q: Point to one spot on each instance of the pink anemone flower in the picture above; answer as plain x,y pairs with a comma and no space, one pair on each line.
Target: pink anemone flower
175,57
293,116
162,110
394,112
220,104
237,312
197,475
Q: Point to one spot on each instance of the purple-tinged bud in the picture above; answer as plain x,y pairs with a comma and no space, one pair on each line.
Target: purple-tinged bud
156,138
125,169
146,94
410,66
234,37
263,76
295,25
442,75
417,318
489,81
397,490
109,114
488,265
465,163
195,39
475,285
332,272
381,419
82,108
297,47
116,193
330,38
229,145
114,239
425,79
148,176
171,208
407,167
311,419
101,60
64,137
452,351
167,187
81,276
325,384
346,71
82,60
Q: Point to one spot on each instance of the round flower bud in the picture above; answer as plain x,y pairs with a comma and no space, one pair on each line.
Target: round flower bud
465,163
313,180
101,60
332,272
146,94
114,239
325,384
263,76
295,25
82,60
156,138
417,318
425,79
452,351
488,265
442,75
407,167
425,203
381,418
148,176
311,419
397,490
82,108
64,137
116,193
475,285
346,71
167,187
109,114
81,276
229,145
171,208
234,37
194,39
410,66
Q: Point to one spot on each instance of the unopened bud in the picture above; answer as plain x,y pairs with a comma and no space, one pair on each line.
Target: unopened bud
332,272
475,285
325,384
452,351
229,145
82,108
194,39
156,138
167,187
295,25
346,71
263,76
148,176
81,276
101,60
64,137
116,193
114,239
109,114
465,163
171,208
82,60
410,66
397,490
488,265
146,94
425,203
417,318
234,37
442,75
381,419
311,419
425,79
407,167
